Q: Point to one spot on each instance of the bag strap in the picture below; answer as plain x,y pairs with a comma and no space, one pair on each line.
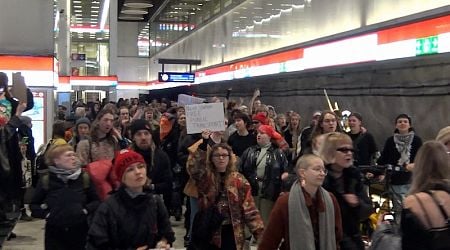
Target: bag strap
424,210
86,179
441,208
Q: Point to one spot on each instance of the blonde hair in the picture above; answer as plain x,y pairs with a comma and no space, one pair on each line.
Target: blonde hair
331,142
55,151
305,161
431,167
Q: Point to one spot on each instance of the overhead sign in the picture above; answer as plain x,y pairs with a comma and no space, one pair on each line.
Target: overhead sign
176,77
204,116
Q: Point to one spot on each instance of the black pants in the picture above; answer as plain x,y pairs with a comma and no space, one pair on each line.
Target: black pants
67,238
227,238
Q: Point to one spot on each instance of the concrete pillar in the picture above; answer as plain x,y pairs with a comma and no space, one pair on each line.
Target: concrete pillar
26,27
63,38
113,37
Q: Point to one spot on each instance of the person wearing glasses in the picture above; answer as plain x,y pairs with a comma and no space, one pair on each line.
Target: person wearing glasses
220,184
132,217
344,181
327,122
308,217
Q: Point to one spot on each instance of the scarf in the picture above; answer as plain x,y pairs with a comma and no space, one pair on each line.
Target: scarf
133,194
403,145
65,174
165,126
301,235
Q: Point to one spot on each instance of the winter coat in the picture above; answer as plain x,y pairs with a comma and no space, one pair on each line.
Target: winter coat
123,222
64,205
276,165
243,211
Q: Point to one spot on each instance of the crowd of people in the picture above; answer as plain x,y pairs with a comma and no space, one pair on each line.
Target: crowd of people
116,172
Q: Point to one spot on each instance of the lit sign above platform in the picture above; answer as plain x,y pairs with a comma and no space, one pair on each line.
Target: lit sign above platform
176,77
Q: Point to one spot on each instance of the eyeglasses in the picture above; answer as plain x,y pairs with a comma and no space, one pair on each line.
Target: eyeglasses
256,122
345,150
220,155
320,170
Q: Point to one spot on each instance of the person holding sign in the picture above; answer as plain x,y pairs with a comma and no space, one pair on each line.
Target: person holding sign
10,155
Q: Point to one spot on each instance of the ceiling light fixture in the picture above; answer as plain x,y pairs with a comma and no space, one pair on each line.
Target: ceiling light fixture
105,10
138,3
131,17
133,11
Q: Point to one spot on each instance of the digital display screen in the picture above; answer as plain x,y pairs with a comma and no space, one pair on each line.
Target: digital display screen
176,77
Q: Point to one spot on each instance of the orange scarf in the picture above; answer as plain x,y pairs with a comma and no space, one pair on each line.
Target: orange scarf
165,126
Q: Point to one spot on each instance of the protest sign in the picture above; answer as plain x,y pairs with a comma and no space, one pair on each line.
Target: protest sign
205,116
188,100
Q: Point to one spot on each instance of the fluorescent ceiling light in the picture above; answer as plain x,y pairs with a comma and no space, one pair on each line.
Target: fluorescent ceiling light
138,3
105,10
133,11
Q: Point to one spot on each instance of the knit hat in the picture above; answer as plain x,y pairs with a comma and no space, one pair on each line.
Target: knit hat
444,135
123,160
139,124
83,120
261,117
270,131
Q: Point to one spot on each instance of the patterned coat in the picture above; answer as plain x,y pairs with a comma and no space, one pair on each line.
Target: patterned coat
242,206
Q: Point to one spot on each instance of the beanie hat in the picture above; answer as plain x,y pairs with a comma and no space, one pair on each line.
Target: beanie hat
357,115
444,135
261,117
83,120
139,124
270,131
405,116
123,160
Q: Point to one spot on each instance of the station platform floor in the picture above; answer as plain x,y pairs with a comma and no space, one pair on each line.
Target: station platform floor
30,236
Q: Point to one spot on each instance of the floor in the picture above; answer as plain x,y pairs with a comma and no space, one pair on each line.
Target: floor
30,236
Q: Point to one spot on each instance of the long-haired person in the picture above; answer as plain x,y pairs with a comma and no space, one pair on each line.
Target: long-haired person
400,149
219,184
308,217
426,209
344,181
65,198
132,217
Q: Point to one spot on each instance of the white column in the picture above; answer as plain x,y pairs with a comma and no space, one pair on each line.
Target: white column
63,39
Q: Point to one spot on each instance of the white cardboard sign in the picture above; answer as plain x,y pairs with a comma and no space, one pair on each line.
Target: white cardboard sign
204,116
187,100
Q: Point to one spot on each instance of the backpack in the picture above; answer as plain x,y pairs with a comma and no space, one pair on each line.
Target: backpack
440,236
86,180
39,162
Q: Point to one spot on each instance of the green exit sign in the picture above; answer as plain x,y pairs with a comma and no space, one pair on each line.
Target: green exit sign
427,45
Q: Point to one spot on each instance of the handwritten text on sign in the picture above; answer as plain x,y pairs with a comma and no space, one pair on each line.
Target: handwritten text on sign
204,116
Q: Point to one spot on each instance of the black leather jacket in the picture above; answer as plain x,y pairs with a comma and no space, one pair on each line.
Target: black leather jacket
276,164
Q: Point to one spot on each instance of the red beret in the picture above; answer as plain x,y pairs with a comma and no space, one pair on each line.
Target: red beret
261,117
268,130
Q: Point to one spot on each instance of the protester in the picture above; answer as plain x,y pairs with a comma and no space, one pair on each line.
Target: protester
132,217
65,197
344,181
308,217
219,184
424,222
400,150
263,165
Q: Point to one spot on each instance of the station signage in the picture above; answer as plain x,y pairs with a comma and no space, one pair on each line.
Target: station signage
176,77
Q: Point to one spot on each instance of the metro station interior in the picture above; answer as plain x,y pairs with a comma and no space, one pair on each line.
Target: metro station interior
376,57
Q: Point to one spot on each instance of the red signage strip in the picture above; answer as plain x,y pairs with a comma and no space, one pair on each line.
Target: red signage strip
426,28
37,63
